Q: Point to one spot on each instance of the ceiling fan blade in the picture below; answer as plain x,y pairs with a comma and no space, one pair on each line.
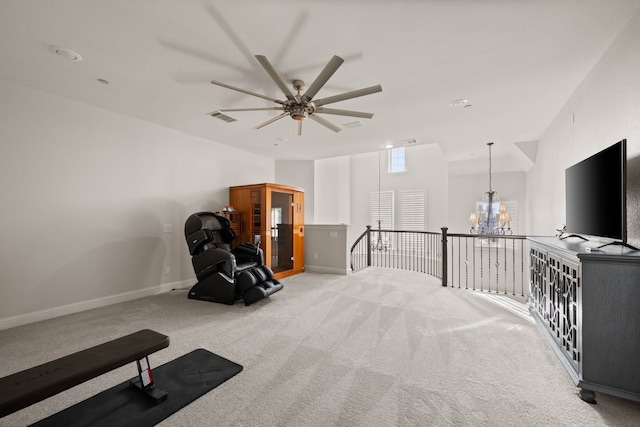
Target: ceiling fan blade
252,109
275,76
338,112
325,123
268,122
322,78
248,92
348,95
298,127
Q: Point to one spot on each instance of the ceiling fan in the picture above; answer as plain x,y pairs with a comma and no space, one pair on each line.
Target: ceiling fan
301,106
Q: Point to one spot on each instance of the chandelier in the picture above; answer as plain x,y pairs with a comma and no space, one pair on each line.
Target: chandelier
491,217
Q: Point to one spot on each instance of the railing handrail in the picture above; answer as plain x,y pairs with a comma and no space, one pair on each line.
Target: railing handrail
407,249
489,236
384,230
364,233
390,248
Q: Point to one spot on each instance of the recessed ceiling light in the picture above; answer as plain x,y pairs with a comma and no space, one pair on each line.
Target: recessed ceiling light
388,145
103,81
460,103
66,53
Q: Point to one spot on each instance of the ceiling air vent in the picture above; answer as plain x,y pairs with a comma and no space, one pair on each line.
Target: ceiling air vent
352,125
410,142
222,116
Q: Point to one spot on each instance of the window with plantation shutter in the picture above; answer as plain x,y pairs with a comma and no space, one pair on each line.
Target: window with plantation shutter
412,205
381,214
381,209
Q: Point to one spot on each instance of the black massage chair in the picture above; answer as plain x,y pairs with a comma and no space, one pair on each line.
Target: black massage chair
225,275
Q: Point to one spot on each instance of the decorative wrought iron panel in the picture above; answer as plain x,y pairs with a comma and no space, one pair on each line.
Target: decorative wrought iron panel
555,298
538,283
570,337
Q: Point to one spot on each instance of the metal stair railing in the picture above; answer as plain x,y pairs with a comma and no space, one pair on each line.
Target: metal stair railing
492,263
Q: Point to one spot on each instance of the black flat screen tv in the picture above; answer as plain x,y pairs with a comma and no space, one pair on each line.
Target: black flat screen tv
596,194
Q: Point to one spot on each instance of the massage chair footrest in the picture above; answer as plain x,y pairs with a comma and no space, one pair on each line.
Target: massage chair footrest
256,284
261,291
214,288
250,285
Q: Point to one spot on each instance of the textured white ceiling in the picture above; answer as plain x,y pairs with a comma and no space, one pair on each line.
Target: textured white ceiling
516,61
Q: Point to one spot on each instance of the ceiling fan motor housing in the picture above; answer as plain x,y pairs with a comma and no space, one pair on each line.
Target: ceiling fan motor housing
299,111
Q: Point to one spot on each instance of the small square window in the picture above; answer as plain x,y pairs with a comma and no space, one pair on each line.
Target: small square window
397,160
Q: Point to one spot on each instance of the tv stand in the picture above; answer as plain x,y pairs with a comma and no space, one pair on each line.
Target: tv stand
586,304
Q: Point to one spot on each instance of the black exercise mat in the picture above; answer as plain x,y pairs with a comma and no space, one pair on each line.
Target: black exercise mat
184,379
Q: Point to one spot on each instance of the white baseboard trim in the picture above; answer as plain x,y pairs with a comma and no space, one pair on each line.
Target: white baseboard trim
50,313
325,270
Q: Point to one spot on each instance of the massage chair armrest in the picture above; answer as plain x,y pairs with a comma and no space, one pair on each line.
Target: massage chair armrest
249,253
214,260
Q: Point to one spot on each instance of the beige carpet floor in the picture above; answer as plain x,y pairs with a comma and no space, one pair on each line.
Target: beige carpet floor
380,347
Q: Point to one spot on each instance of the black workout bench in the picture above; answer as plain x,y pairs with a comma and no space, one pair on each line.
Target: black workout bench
19,390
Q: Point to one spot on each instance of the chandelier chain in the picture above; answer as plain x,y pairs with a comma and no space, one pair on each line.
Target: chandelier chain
490,144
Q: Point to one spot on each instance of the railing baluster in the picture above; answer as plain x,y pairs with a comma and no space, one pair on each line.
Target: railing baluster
513,263
466,263
481,266
522,266
498,265
444,256
453,257
459,262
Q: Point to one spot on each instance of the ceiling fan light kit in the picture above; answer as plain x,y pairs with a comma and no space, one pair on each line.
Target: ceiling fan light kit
300,105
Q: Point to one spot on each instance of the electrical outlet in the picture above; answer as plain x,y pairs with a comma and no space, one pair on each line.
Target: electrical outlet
168,228
315,255
167,269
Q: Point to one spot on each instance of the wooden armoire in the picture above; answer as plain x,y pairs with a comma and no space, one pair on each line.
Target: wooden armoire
273,214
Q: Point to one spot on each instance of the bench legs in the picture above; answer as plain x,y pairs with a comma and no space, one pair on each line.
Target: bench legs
144,382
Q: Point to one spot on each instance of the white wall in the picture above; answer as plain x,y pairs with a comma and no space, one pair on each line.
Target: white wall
333,190
604,109
326,249
300,174
84,195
